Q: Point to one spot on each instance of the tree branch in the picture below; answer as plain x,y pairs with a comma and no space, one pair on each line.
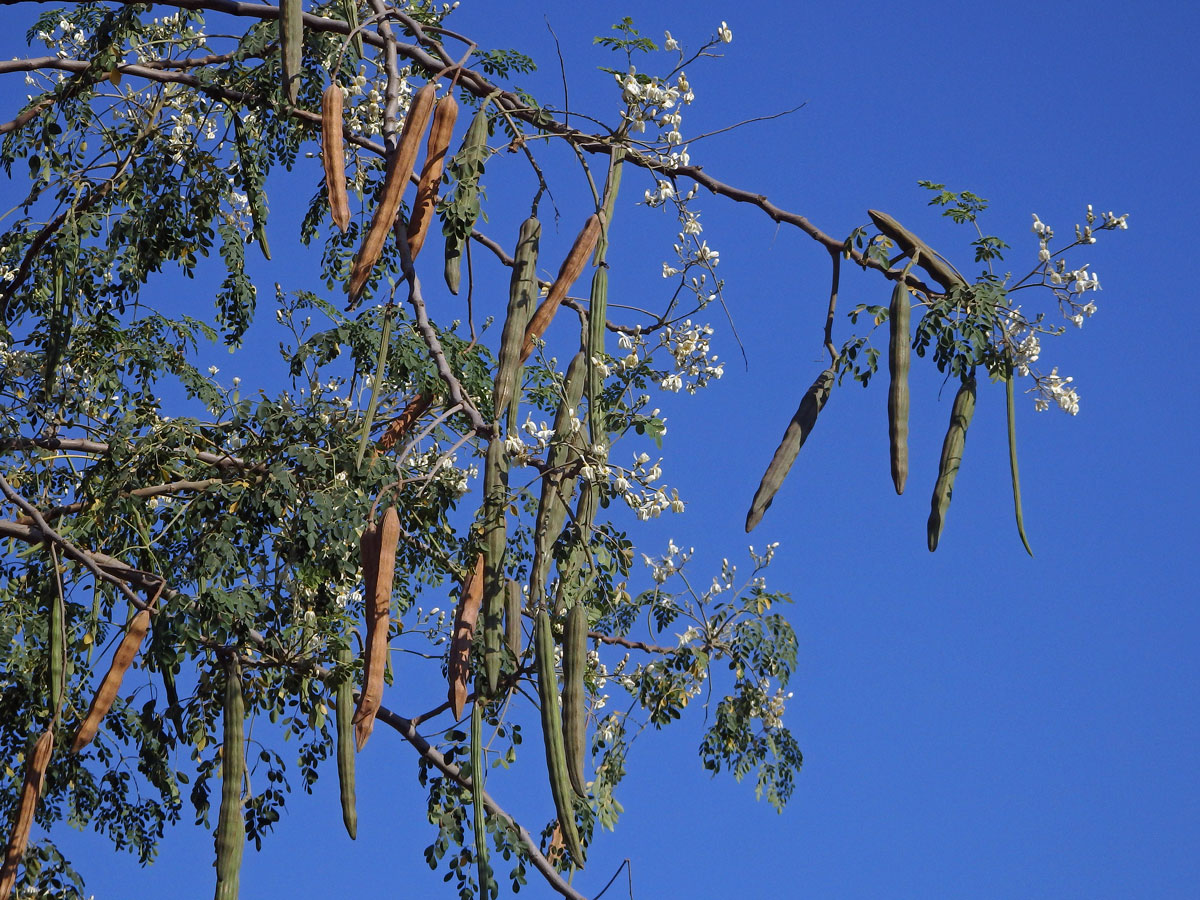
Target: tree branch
422,746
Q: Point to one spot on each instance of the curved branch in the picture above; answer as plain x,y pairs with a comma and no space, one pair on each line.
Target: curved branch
422,746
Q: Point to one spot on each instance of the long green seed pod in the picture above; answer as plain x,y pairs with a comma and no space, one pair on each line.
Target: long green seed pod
231,826
556,487
495,499
513,601
952,449
463,209
349,10
291,46
1012,457
574,713
794,437
480,813
522,298
556,757
58,649
597,310
344,719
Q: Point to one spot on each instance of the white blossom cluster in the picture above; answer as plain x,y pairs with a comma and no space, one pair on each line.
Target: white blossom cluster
688,345
443,470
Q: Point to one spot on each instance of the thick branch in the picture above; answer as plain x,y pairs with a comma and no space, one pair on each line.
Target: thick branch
85,445
627,642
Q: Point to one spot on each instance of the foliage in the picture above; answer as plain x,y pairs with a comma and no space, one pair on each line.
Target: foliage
135,477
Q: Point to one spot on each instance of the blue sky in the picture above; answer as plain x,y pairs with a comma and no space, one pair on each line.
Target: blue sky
975,723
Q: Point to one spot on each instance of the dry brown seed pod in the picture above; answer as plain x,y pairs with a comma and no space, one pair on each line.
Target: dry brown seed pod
570,270
440,132
378,624
399,426
399,170
106,693
899,360
35,772
465,618
333,158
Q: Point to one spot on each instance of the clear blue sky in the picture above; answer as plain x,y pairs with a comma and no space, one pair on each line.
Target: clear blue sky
975,723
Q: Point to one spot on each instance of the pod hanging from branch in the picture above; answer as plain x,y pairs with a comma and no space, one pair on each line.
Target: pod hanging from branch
961,412
333,156
794,437
395,180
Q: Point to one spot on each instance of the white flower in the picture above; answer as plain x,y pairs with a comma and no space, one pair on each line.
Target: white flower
724,33
213,370
671,43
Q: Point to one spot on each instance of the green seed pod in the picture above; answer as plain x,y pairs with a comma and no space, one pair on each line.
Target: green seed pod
574,713
1012,457
597,311
952,449
58,648
522,298
794,437
344,719
463,207
495,499
513,601
231,826
899,360
556,758
556,487
291,46
480,813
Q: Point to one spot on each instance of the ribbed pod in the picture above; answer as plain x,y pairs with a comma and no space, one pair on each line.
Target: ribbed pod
556,758
110,684
344,718
395,180
952,449
440,131
899,360
574,713
231,826
794,437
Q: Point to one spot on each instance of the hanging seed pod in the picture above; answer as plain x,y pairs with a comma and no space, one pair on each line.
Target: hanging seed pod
556,757
570,270
556,485
597,310
480,813
495,537
38,760
440,132
349,10
291,46
937,268
344,719
574,713
378,624
395,180
899,360
231,825
466,616
513,601
333,157
522,296
58,651
1012,457
462,210
952,449
794,437
110,684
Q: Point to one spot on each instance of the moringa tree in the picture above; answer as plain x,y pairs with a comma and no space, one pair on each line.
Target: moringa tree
278,553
